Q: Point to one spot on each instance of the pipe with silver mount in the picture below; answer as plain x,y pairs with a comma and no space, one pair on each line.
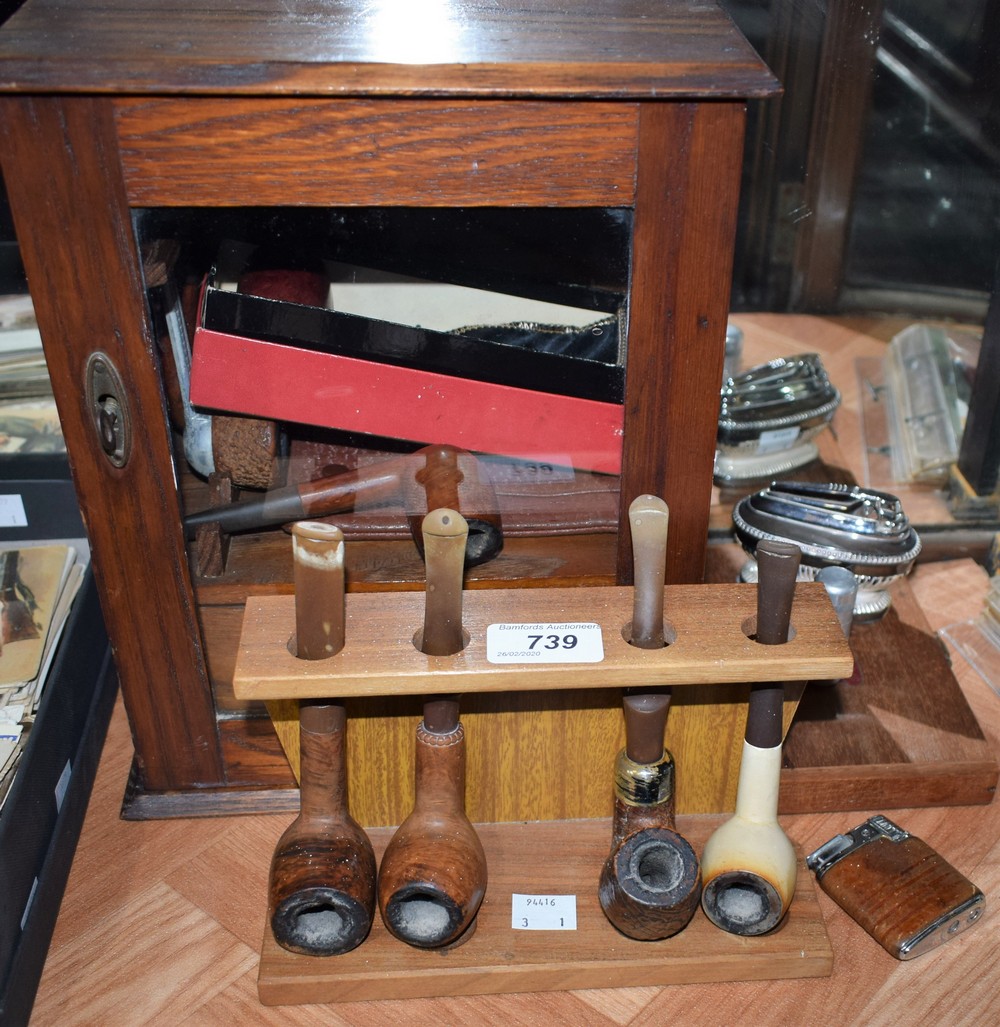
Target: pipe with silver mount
650,883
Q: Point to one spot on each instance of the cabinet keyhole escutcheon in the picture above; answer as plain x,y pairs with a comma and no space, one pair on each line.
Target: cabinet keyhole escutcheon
108,406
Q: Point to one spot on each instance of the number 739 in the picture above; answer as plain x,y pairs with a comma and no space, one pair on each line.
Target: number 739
552,641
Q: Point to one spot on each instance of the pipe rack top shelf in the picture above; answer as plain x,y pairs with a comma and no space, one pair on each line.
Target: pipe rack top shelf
711,625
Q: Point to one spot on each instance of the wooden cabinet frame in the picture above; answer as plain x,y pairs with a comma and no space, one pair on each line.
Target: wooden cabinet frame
87,137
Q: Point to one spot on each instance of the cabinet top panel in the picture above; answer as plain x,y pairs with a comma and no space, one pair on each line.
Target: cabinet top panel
600,48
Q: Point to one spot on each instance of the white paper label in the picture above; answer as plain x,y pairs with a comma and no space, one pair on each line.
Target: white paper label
779,438
543,912
12,513
544,643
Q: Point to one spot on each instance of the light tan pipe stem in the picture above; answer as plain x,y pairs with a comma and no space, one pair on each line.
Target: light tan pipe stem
445,533
648,518
318,560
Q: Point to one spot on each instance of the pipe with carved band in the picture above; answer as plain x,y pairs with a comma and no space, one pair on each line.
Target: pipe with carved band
433,875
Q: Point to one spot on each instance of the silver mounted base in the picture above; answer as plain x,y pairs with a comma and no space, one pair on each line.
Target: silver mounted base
732,468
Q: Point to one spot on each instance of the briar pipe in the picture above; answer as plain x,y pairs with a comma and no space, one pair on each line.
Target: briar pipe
749,865
321,889
432,477
433,875
650,883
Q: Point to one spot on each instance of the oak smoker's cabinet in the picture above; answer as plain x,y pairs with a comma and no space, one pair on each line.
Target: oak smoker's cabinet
114,110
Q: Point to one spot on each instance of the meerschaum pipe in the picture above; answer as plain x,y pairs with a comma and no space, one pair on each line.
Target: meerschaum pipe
321,893
433,875
749,865
650,883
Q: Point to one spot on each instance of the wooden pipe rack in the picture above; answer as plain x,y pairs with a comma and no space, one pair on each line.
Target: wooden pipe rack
711,631
712,627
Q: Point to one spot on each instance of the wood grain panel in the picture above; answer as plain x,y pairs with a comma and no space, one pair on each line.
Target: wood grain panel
356,152
462,47
685,223
712,644
61,169
531,755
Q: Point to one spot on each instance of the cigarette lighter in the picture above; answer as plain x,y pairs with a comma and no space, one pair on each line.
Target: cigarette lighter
903,893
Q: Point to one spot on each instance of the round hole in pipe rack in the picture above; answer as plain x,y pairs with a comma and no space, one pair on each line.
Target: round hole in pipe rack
669,635
293,648
418,641
749,628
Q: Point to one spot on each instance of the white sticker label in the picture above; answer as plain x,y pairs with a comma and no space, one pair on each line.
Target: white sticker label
543,912
12,513
779,438
544,643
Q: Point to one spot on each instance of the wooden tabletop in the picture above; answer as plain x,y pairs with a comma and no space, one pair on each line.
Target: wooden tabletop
629,49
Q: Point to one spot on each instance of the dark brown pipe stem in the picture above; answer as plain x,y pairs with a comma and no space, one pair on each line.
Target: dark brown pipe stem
321,892
318,562
645,723
777,568
441,714
433,875
445,533
650,884
648,519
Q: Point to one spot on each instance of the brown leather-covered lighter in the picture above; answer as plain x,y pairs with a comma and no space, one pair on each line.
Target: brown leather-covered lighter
907,896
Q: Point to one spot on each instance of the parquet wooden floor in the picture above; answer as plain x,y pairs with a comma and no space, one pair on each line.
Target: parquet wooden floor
161,924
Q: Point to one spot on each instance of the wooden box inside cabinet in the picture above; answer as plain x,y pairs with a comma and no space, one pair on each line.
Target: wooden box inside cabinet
114,109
